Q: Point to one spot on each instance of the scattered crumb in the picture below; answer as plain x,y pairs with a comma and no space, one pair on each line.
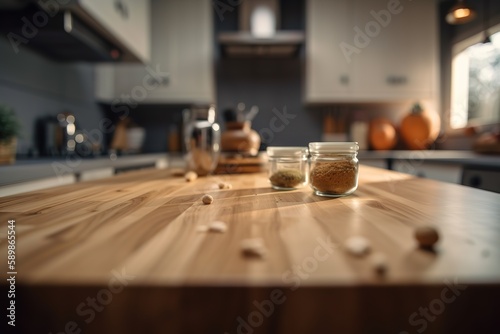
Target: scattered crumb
379,263
190,176
253,247
207,199
216,226
358,246
225,185
426,236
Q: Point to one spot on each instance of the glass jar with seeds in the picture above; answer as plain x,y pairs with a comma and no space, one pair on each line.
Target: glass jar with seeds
334,168
288,167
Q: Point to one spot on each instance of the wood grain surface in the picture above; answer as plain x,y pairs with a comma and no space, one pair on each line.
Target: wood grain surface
73,240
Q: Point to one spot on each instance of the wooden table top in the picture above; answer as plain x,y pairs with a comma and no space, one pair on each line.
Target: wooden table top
145,223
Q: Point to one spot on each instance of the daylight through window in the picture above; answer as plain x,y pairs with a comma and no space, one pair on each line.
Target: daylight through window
475,90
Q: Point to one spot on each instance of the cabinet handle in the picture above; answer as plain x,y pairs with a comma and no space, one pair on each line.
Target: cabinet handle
475,181
121,8
344,79
163,80
396,80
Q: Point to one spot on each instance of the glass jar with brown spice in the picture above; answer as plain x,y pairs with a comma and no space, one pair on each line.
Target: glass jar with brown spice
334,168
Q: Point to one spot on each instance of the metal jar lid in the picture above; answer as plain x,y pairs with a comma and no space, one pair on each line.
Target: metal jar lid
333,147
287,151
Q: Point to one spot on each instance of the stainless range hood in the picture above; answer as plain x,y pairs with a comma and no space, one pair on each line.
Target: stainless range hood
258,38
66,36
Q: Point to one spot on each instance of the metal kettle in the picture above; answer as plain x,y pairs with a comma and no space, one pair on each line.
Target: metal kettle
201,139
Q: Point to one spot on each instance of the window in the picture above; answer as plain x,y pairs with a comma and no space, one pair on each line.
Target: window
475,84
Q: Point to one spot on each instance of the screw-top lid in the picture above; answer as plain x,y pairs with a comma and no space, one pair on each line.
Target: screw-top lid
333,147
286,151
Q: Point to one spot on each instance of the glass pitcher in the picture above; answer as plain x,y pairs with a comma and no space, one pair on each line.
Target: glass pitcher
201,140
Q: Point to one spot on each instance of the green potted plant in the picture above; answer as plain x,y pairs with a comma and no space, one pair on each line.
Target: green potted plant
9,130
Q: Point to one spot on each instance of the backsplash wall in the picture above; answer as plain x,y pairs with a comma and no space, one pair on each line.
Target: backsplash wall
274,85
35,87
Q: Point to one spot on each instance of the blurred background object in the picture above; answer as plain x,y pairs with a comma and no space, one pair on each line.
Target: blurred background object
239,137
10,129
201,139
382,134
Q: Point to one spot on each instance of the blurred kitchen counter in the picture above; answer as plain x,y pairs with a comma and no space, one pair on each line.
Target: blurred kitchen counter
132,249
460,167
34,174
465,158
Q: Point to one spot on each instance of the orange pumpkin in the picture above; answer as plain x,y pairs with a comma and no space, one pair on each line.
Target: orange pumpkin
420,128
382,134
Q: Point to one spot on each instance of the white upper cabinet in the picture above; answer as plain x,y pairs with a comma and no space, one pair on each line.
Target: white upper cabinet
181,68
371,51
127,21
328,74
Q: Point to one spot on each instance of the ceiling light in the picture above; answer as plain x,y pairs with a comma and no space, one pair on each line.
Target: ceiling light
263,22
460,13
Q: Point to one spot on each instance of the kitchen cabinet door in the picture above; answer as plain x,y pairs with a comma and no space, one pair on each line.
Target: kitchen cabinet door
487,179
181,67
328,74
127,20
441,172
399,60
371,51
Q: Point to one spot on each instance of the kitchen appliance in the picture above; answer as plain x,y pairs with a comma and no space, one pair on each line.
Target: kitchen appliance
240,144
128,137
59,136
135,139
67,33
259,34
201,139
239,137
49,136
